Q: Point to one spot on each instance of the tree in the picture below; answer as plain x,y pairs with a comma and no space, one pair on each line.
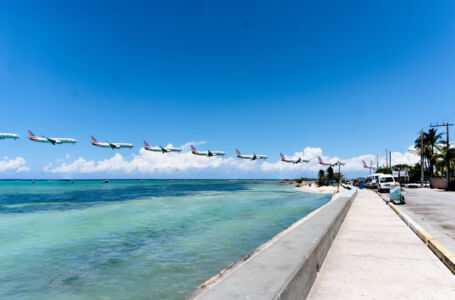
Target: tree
321,177
432,139
444,154
384,171
330,173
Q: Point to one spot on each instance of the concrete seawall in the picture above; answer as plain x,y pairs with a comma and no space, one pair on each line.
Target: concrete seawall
285,267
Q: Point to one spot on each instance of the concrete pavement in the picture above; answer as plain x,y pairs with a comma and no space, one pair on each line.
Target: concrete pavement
376,256
434,211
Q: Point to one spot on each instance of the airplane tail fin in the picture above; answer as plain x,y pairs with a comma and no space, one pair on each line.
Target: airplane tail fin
282,156
145,144
237,151
30,134
93,140
319,159
364,164
192,148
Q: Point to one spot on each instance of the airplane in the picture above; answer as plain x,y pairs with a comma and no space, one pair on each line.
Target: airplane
368,167
110,145
338,163
250,157
160,148
8,136
207,153
323,163
298,161
53,141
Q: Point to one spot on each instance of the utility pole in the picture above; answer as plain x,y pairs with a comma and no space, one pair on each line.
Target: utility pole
390,159
339,163
421,158
448,147
377,161
386,158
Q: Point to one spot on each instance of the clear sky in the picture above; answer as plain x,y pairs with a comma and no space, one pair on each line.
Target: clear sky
345,78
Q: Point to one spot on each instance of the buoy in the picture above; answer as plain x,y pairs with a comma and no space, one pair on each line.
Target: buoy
33,181
106,181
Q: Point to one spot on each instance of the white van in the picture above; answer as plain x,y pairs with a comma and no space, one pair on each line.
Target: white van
372,180
385,181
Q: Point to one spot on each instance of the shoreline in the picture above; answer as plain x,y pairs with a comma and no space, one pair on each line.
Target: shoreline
313,187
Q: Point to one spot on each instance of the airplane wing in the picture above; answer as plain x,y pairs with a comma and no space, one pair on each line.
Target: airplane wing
52,140
163,150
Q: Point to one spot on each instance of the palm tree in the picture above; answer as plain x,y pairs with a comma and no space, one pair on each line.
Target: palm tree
431,139
421,148
448,154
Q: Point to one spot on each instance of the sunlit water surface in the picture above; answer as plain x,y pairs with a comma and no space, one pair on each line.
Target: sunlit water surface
154,239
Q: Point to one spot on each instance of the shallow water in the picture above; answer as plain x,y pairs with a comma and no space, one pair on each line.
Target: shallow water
157,239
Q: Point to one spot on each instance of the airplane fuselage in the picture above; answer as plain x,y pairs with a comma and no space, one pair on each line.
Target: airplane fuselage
53,141
252,157
108,144
113,145
8,136
162,150
207,153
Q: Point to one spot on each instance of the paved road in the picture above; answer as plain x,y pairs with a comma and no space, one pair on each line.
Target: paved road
375,255
435,211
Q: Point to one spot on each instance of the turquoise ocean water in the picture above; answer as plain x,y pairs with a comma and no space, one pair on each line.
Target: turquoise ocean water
156,239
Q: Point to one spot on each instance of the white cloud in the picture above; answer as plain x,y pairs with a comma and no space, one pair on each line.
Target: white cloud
150,162
15,165
186,164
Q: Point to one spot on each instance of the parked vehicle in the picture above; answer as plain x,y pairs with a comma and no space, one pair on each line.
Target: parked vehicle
372,180
385,181
413,185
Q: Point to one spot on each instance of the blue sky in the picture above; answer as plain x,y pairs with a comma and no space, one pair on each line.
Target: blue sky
347,78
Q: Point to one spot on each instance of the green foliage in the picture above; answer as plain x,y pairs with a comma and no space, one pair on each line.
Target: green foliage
321,177
414,173
432,151
330,173
300,180
384,171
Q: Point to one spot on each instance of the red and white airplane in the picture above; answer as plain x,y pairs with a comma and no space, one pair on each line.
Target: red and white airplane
110,145
53,141
367,167
250,157
8,136
323,163
160,148
298,161
338,163
207,153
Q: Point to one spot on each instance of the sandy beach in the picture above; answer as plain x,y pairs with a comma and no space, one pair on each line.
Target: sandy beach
313,188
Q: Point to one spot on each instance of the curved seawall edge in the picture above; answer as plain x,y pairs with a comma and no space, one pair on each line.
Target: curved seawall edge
286,266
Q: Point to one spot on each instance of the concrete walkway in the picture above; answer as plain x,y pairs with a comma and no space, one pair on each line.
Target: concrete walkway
376,256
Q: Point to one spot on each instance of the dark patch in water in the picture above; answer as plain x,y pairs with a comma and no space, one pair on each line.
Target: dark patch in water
85,195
